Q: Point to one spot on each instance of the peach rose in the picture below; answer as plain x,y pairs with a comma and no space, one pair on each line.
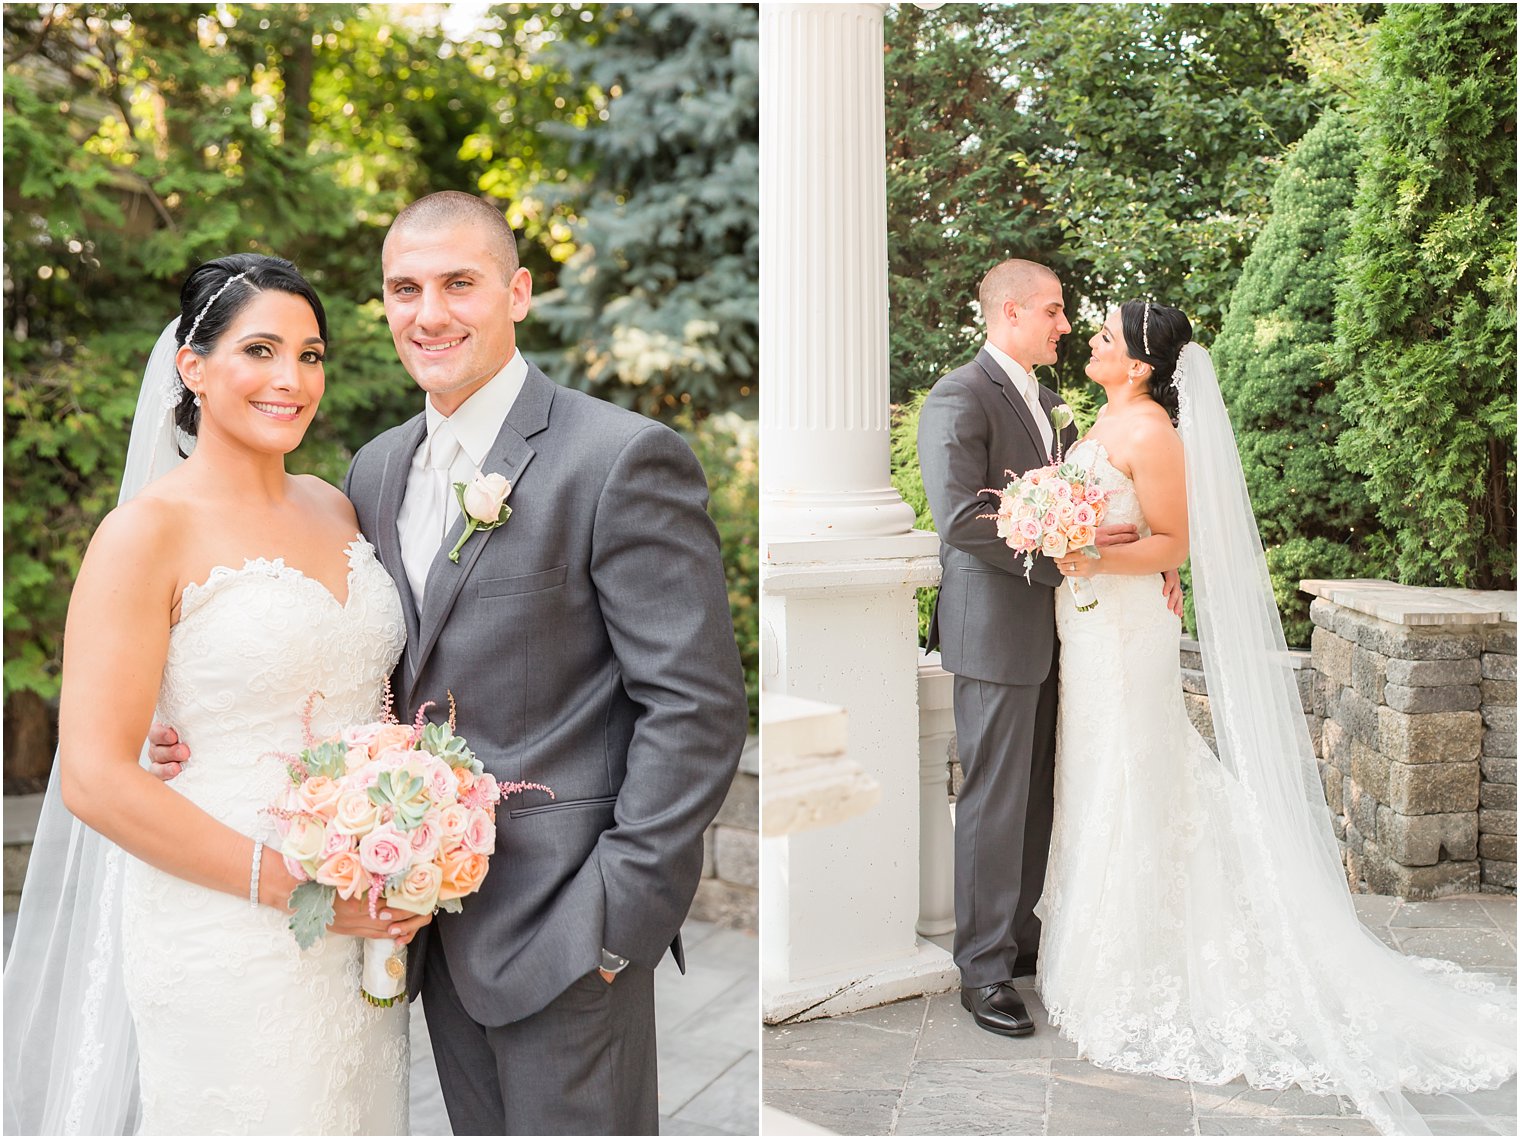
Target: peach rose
355,813
1053,545
462,874
346,872
1083,536
418,891
390,736
453,819
319,795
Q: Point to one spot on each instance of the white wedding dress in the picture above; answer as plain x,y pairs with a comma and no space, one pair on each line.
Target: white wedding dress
1171,940
238,1030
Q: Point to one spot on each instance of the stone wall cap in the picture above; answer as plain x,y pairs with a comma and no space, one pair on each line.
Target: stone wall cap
1416,605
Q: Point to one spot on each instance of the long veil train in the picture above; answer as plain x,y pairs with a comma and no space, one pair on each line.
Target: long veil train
70,1051
1421,1026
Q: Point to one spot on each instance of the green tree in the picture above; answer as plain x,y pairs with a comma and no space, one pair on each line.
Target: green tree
1273,356
659,306
1425,322
1129,147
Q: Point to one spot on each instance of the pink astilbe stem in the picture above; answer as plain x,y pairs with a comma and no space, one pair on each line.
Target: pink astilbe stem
306,714
421,721
375,890
388,710
453,718
515,788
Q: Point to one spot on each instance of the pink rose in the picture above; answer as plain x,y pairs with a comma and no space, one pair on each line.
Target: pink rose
425,839
1094,494
384,851
480,835
440,781
1062,490
297,871
1085,515
335,842
344,871
418,891
1029,530
359,735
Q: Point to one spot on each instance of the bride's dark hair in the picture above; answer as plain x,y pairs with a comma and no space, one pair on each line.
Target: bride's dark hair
210,299
1155,334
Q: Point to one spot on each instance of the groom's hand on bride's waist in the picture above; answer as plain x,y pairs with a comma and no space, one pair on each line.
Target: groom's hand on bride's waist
166,755
1118,534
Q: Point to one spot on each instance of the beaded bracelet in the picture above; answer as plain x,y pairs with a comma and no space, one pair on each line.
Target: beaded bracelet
253,872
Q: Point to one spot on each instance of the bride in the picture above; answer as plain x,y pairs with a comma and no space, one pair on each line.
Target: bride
1196,921
224,592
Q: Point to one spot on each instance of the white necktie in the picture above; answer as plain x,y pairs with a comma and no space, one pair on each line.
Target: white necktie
443,450
1031,393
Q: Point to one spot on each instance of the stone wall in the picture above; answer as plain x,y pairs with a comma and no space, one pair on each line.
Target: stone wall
729,892
1416,692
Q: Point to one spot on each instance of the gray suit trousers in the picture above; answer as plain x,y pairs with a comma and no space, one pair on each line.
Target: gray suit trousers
1006,737
583,1065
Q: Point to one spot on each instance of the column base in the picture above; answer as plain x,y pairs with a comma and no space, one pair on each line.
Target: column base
927,969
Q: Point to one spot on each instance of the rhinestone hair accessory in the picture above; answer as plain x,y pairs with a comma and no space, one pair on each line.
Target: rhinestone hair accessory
1145,327
205,308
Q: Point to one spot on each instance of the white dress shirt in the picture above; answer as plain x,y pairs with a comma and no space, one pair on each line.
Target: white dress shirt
1029,388
430,506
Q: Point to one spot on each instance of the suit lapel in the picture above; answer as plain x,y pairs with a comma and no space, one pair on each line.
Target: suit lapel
1015,400
509,456
393,479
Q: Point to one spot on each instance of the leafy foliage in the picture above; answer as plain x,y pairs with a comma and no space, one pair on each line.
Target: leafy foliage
1129,147
143,139
660,304
1425,323
1274,360
728,448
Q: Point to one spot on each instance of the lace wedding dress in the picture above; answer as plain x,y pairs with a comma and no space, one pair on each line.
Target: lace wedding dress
1171,940
238,1030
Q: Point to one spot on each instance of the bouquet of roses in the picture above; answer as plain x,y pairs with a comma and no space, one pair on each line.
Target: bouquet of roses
392,811
1054,510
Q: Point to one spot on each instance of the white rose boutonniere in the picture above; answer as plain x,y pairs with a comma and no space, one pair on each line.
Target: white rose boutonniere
484,502
1061,417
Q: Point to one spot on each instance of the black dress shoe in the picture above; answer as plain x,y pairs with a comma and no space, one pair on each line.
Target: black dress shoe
997,1008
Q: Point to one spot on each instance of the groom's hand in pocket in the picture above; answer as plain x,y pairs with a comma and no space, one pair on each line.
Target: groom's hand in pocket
166,755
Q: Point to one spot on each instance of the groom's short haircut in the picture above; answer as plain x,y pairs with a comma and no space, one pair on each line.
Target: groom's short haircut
450,207
1013,280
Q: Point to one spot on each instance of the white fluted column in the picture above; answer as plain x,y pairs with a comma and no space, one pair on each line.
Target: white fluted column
824,391
936,835
840,561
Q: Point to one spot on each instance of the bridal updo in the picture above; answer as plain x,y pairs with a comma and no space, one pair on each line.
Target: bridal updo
211,298
1156,337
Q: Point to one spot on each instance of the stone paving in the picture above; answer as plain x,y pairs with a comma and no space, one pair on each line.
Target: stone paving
708,1022
921,1067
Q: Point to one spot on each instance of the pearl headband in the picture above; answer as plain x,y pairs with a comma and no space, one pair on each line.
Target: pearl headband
1145,328
190,336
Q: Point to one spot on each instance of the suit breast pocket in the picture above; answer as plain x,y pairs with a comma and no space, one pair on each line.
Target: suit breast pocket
521,583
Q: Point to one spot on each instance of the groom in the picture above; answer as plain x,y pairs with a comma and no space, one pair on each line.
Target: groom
996,633
588,645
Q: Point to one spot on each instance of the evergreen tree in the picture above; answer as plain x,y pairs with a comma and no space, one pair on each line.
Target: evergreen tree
1273,357
1425,323
660,303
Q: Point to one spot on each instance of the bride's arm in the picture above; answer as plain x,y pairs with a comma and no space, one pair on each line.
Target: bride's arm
1160,479
114,647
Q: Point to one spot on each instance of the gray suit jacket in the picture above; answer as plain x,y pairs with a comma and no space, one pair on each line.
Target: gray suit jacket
589,647
989,622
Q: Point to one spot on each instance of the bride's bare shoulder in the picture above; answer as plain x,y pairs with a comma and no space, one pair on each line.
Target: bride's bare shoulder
148,523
